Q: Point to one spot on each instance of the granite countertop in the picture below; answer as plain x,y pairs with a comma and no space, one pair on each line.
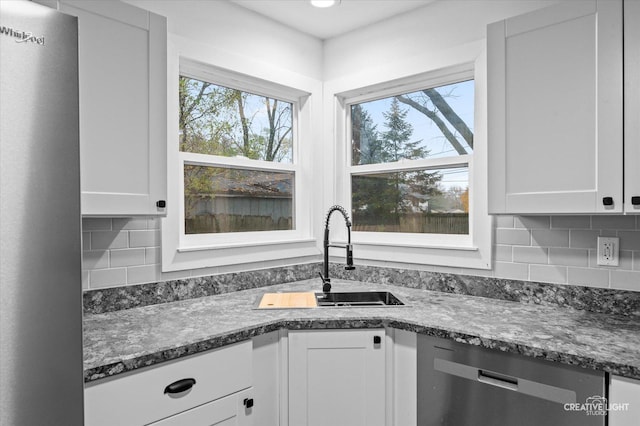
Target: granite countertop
120,341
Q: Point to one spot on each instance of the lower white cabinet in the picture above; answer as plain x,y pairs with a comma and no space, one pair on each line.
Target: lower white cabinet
267,378
624,401
151,394
337,377
233,410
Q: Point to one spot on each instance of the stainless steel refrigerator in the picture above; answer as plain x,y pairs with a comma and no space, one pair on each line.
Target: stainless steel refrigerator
40,226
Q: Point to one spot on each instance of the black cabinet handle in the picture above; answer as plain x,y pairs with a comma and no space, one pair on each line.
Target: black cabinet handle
180,386
248,402
377,340
635,200
161,204
607,201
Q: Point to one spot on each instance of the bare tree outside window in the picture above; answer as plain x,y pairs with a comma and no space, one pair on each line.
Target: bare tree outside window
429,123
220,121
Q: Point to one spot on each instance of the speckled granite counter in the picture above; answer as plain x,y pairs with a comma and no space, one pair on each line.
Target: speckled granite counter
120,341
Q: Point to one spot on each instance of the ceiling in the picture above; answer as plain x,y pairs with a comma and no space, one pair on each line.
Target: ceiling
326,23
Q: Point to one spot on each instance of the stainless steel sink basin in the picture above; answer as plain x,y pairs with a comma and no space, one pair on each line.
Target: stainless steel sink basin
358,298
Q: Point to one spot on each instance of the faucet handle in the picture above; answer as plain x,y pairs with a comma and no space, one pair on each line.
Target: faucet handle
349,266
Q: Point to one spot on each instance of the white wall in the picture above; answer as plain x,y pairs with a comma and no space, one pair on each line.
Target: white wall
241,36
440,26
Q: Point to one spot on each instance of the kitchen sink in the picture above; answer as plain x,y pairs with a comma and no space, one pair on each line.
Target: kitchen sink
358,298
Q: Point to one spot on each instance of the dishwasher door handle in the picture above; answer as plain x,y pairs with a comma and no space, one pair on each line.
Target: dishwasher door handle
500,380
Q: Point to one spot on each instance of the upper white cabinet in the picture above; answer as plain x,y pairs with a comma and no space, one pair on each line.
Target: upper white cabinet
555,110
337,377
632,106
123,107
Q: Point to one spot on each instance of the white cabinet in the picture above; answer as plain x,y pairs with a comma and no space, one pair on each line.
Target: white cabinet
143,396
624,401
556,110
229,411
123,107
267,378
632,106
337,377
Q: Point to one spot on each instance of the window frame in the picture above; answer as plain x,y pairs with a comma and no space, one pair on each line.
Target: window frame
401,238
472,250
182,251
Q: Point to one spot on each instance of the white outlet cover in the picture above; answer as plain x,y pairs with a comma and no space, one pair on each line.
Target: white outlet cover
608,251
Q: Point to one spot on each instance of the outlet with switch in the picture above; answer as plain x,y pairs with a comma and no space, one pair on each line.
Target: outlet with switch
608,251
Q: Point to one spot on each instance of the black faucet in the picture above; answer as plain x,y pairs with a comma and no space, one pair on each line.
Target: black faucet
326,281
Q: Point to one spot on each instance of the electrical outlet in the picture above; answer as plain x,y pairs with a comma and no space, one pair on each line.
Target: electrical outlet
608,251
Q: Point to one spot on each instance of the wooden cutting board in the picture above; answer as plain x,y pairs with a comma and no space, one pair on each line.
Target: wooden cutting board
287,300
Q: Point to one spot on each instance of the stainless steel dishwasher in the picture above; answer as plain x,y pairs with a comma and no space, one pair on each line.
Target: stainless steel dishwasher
465,385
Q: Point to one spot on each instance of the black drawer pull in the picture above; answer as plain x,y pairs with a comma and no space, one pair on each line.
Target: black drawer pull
607,201
180,386
248,402
635,200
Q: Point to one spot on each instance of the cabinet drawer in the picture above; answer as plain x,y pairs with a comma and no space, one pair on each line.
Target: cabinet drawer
139,397
227,411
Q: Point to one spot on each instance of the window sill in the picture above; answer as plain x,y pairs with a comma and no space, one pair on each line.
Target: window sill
452,255
187,249
419,246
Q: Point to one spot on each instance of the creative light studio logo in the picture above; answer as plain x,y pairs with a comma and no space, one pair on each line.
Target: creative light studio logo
596,406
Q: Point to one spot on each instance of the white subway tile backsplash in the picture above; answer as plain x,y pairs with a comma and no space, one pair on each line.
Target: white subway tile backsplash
533,222
569,256
504,221
571,222
514,237
625,280
95,259
103,240
629,240
127,257
513,271
146,238
550,238
503,253
152,255
626,260
143,274
553,249
85,279
107,277
584,239
589,277
530,254
128,223
548,274
96,224
613,222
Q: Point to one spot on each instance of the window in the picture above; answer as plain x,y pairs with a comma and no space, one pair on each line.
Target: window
222,125
409,161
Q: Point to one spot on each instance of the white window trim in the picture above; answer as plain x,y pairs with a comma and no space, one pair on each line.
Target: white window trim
183,252
460,251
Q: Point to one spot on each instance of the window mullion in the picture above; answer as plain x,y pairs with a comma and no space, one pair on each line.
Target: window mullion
234,162
408,165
